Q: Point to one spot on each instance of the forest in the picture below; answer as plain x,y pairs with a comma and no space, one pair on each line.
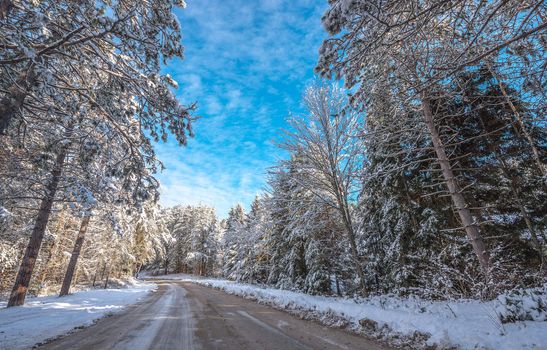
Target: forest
423,175
418,167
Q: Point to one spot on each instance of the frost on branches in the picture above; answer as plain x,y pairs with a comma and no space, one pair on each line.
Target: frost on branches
81,100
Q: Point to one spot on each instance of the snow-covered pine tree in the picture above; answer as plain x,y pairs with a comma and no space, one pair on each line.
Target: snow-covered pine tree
87,71
255,266
306,239
412,47
327,140
287,255
50,48
235,242
409,230
192,243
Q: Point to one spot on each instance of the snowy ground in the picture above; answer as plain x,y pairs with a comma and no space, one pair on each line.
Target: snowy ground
464,324
43,318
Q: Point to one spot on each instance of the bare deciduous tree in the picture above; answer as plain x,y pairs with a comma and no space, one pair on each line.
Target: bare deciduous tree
412,47
327,140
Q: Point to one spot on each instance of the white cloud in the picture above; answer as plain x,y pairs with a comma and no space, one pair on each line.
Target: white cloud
246,64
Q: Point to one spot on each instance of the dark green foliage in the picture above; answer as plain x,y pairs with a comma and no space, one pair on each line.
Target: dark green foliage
410,232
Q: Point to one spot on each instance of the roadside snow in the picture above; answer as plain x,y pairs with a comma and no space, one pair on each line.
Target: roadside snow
464,324
43,318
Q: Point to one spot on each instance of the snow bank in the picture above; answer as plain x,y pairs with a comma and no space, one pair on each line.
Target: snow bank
43,318
464,324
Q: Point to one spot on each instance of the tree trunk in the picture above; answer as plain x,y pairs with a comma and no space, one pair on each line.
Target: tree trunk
138,270
343,208
516,193
471,228
48,270
103,271
22,281
337,283
527,135
75,255
355,256
96,272
5,7
42,275
106,280
14,99
346,216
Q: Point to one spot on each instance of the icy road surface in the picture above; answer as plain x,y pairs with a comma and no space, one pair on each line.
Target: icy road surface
182,315
47,317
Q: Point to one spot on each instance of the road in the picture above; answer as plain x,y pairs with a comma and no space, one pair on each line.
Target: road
183,315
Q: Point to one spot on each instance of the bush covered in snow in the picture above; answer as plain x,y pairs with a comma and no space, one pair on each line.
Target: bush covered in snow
413,322
523,305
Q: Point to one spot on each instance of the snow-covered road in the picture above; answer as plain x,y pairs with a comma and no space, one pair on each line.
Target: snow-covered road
43,318
183,315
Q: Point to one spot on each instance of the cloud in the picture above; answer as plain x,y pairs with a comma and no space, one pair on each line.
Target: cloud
246,64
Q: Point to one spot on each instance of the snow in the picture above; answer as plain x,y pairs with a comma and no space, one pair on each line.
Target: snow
43,318
465,324
4,213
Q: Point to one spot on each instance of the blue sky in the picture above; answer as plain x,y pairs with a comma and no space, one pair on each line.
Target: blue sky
246,64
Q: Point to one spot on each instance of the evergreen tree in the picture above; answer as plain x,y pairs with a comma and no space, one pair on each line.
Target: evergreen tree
234,242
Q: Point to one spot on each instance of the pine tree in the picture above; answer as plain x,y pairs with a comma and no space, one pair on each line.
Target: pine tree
234,242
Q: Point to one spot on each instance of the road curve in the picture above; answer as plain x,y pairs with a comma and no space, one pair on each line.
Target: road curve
186,316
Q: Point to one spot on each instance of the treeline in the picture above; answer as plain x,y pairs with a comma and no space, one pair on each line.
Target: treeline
425,174
81,101
357,212
193,246
354,211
